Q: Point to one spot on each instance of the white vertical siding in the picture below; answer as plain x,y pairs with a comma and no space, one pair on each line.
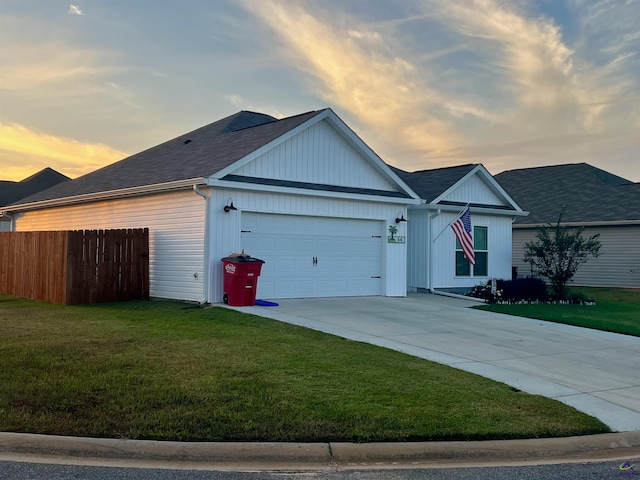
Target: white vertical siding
317,155
499,239
474,190
418,246
225,234
176,235
617,266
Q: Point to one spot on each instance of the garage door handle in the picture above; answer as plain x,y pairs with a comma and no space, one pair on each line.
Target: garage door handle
315,261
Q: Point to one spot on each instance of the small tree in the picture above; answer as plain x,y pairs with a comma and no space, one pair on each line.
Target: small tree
558,251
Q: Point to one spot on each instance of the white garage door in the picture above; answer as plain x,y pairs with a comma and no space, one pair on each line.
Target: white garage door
314,256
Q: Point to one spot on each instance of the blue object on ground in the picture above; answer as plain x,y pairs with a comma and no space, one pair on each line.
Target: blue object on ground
265,303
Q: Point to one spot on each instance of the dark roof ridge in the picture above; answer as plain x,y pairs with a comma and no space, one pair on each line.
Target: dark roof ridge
464,165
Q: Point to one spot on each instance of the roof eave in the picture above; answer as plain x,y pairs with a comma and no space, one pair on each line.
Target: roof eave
473,209
106,195
608,223
219,183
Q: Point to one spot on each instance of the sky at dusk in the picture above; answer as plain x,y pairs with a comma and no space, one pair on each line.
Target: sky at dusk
425,83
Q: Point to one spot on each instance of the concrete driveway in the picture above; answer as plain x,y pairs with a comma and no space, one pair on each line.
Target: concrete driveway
596,372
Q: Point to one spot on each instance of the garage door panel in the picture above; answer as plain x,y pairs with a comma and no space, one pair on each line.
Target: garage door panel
348,252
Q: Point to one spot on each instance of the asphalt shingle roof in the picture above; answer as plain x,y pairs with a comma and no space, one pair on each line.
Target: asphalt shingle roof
588,194
197,154
11,192
430,184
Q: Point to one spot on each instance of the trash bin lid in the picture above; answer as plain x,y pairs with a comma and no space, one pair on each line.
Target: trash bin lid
242,259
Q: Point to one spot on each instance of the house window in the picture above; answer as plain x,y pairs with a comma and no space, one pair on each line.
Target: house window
481,247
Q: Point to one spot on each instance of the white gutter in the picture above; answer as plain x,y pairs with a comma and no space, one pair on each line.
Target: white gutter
474,209
107,195
205,271
608,223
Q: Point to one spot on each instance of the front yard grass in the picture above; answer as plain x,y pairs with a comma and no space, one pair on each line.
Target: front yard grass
616,310
173,371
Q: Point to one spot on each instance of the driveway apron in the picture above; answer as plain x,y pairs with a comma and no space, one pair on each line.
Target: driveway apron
596,372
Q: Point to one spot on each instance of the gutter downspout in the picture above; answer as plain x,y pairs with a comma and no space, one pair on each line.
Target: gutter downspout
433,290
12,226
206,272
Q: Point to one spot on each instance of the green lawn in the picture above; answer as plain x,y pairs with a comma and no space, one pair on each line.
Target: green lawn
172,371
616,310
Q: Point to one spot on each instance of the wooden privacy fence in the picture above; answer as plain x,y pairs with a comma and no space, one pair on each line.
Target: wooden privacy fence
72,267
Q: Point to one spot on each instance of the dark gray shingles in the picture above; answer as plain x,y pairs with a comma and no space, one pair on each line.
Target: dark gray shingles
197,154
11,192
587,193
430,184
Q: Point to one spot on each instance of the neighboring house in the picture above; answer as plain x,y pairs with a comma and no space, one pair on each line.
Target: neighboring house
303,193
11,192
603,203
436,259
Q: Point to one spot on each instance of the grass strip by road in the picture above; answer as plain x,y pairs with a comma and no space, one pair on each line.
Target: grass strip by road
172,371
617,310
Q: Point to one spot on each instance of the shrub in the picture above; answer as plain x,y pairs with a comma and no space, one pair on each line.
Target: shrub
522,289
529,289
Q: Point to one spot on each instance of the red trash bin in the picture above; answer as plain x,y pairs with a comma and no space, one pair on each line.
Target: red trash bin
241,274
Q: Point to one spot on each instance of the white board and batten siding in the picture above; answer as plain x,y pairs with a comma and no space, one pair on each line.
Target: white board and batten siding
475,190
442,257
176,234
618,264
351,221
320,155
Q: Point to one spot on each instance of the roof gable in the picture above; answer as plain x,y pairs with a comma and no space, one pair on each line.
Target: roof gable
318,154
460,185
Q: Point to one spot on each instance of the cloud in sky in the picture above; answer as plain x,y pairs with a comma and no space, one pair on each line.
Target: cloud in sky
24,150
506,82
426,83
75,10
358,72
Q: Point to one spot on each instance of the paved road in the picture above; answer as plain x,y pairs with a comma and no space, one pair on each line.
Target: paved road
600,471
593,371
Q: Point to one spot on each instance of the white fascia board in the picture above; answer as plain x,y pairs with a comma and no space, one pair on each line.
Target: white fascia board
611,223
341,127
360,145
491,182
479,210
107,195
216,183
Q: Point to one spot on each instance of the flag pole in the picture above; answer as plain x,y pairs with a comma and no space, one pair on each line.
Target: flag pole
449,224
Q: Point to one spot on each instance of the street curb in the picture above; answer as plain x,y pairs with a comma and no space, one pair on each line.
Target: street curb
29,447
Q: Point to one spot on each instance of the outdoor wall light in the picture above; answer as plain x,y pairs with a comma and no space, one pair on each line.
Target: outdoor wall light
400,218
229,206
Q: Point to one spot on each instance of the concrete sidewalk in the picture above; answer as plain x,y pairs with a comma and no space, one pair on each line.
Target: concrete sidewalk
596,372
20,447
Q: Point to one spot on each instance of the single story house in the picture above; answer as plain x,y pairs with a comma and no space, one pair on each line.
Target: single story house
304,193
11,192
436,258
592,198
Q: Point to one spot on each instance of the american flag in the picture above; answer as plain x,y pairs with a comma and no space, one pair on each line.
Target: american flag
462,229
